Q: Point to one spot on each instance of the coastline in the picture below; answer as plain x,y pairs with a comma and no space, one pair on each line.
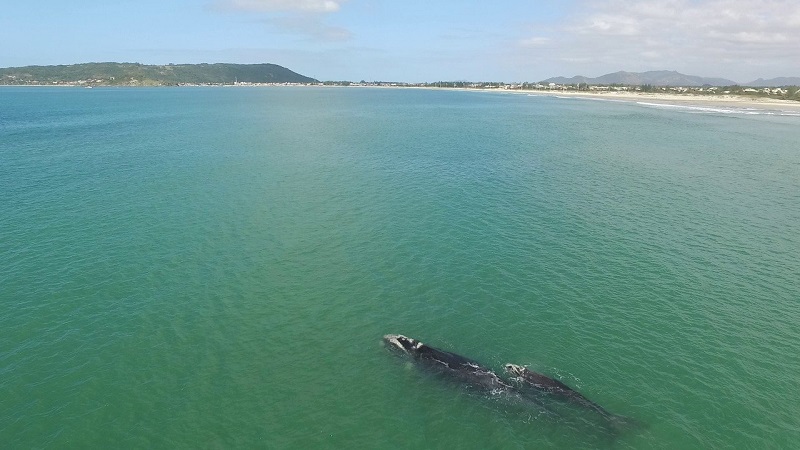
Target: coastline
684,100
732,101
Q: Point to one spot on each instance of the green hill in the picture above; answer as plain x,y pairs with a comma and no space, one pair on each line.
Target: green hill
132,74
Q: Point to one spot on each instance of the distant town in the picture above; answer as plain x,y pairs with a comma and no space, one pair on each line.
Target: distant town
789,92
784,93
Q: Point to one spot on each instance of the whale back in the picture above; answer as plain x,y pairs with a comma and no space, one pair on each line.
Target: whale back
459,367
546,383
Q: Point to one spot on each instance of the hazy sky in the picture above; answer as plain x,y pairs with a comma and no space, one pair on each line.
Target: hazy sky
502,40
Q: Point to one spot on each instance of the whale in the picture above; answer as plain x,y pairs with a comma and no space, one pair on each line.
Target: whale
521,388
447,364
465,371
543,383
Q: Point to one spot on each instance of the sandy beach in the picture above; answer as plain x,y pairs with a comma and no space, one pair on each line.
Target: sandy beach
722,101
726,101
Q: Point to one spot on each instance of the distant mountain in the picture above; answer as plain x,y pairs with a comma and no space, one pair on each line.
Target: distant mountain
775,82
656,78
127,74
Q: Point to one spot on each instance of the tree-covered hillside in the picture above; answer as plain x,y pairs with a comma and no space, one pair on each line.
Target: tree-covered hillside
127,74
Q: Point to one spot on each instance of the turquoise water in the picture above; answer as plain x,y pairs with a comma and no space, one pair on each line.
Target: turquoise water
215,267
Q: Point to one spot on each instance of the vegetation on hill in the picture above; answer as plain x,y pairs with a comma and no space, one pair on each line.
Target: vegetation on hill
132,74
667,79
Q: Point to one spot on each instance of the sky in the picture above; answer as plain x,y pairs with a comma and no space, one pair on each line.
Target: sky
413,40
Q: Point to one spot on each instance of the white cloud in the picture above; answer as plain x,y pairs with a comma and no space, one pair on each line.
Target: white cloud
312,27
733,38
303,18
607,24
766,21
536,41
304,6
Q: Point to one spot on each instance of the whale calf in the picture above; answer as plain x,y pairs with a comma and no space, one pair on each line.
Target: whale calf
543,383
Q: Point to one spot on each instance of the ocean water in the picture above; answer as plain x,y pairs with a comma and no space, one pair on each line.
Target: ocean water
215,267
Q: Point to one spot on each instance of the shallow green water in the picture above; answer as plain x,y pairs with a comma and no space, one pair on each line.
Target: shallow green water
214,268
